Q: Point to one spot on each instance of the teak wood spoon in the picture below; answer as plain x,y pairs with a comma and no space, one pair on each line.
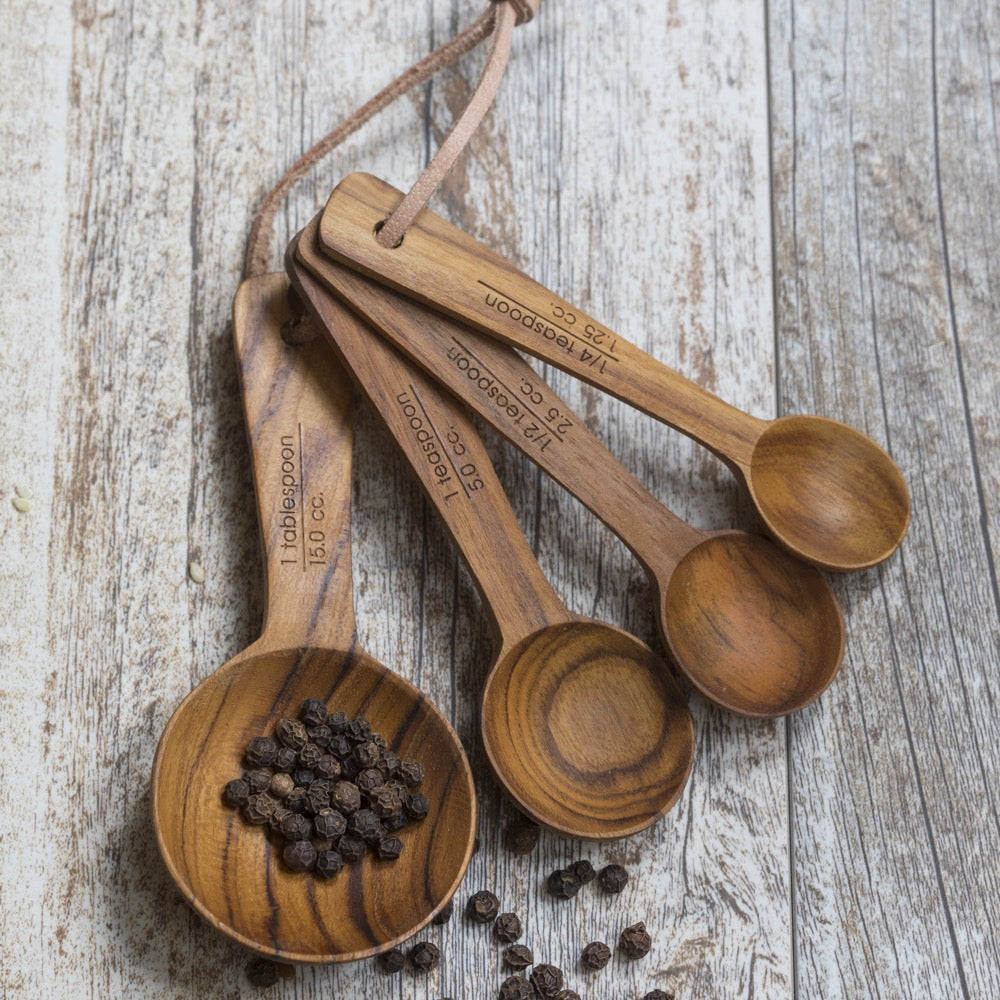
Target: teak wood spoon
297,403
582,723
824,490
752,628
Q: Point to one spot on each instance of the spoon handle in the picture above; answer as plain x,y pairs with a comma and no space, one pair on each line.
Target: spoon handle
297,401
448,270
496,382
439,440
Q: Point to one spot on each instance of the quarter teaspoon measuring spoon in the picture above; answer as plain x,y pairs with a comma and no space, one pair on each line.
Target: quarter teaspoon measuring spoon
582,723
297,403
752,628
824,490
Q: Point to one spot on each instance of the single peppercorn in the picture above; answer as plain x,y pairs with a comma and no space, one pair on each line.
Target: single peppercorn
299,855
295,826
385,801
389,848
444,914
336,722
367,755
318,797
563,884
507,928
365,824
584,871
518,956
658,995
369,780
313,712
329,824
612,878
259,808
340,746
351,848
516,988
482,907
309,756
281,785
261,751
291,733
521,835
237,792
278,817
320,736
285,760
596,955
389,764
328,864
417,806
345,797
261,972
259,779
547,979
304,776
411,772
296,799
634,941
328,767
392,960
395,821
359,730
425,956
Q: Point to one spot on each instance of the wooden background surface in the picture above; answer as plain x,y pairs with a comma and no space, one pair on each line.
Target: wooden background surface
797,202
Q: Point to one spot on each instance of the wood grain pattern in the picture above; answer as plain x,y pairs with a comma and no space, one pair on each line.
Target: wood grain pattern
582,723
632,161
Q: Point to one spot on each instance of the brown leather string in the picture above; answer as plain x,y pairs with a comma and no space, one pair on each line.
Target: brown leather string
498,19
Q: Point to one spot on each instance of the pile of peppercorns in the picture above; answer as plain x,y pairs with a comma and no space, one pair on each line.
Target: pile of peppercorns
330,787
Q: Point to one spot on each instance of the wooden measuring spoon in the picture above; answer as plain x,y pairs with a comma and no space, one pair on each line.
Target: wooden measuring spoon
752,628
297,403
824,491
582,723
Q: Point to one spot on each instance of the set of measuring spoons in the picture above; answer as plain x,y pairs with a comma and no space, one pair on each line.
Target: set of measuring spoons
585,726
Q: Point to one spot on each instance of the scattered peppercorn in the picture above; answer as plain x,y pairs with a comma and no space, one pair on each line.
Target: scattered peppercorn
563,884
482,907
584,871
516,988
658,995
392,960
634,941
425,956
596,955
507,928
518,956
612,878
444,914
547,979
521,835
261,972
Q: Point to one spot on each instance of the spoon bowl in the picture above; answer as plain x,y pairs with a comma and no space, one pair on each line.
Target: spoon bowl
846,507
582,721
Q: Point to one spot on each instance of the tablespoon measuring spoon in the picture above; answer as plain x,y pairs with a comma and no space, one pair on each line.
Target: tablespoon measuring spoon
752,628
582,723
825,491
298,408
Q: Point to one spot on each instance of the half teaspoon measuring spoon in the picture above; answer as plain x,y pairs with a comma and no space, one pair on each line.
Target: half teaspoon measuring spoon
582,723
825,491
298,407
752,628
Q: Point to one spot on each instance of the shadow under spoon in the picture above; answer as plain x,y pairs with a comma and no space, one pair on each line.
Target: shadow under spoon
755,630
825,491
297,403
582,723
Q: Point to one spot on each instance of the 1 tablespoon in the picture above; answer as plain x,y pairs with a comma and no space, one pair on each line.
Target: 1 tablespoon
752,628
824,490
582,723
297,403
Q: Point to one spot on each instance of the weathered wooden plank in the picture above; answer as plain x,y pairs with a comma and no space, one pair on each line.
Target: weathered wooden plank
892,803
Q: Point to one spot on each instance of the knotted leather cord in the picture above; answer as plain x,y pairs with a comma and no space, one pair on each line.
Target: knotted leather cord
499,19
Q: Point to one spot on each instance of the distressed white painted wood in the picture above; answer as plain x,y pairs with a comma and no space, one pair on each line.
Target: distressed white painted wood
633,162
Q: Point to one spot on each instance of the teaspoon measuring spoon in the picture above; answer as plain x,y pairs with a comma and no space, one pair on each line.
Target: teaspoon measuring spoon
582,723
298,403
825,491
752,628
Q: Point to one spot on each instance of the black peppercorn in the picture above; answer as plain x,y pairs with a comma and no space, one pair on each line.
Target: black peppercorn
285,760
567,995
612,878
368,780
237,792
261,972
518,956
329,824
392,960
299,855
417,806
281,785
259,808
658,995
336,722
291,733
296,827
278,817
365,824
596,955
367,755
425,956
351,848
385,801
389,764
340,746
584,871
521,835
318,797
389,848
482,907
563,884
258,779
507,928
444,914
304,776
634,941
320,736
328,863
296,799
313,712
516,988
261,751
547,979
411,772
328,767
346,797
309,756
395,821
359,730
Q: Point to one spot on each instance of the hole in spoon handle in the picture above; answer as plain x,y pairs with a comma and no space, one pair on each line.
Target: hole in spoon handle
439,440
297,401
